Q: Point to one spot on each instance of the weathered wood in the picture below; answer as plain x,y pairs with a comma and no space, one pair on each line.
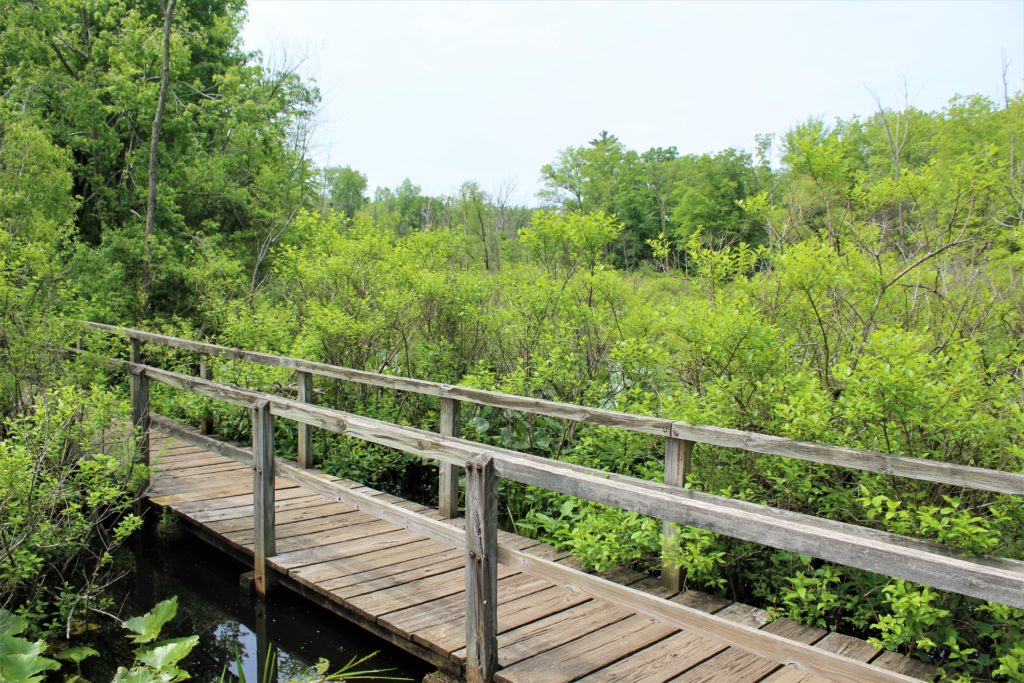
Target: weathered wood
758,642
305,433
913,468
985,577
263,493
139,389
448,474
677,468
206,421
481,570
869,461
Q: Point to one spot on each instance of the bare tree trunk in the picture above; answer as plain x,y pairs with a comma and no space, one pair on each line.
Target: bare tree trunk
161,104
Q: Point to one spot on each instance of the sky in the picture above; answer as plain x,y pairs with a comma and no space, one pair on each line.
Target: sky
446,92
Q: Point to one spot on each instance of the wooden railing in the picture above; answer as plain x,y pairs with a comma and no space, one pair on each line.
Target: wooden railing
990,578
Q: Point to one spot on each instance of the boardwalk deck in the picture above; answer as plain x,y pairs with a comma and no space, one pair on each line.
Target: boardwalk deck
410,590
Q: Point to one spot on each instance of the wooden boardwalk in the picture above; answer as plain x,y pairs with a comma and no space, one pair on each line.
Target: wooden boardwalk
410,590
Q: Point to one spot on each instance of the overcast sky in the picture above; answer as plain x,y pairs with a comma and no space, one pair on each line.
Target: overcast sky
487,91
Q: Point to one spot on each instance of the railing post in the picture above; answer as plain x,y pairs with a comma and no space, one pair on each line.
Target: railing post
263,493
448,475
305,435
481,570
139,391
677,467
206,421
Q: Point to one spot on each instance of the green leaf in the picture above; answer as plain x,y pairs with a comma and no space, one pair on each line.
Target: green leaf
11,624
24,668
168,653
76,654
147,627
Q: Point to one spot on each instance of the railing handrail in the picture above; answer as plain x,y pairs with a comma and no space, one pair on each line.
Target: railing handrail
985,577
922,469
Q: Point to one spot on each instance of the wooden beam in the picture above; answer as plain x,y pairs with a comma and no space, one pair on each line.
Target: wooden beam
677,468
206,421
448,474
139,391
481,570
869,461
263,493
305,434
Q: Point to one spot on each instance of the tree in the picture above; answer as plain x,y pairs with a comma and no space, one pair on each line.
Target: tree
345,189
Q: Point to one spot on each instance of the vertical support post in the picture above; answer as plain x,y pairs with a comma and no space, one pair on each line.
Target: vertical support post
677,467
206,421
263,493
305,445
481,570
448,475
139,390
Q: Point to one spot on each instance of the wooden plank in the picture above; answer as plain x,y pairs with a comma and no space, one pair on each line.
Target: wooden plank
849,647
346,571
284,516
232,507
263,494
661,661
304,528
587,654
521,599
364,544
677,467
550,632
738,665
921,469
481,570
448,474
305,433
670,657
906,665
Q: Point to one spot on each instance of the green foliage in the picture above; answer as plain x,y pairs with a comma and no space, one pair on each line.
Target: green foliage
68,480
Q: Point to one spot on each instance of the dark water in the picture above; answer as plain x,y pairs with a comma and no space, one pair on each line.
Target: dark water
230,624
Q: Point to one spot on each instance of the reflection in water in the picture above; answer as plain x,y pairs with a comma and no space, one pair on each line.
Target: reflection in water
231,625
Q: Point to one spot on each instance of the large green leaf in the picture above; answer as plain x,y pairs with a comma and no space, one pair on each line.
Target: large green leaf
76,654
147,627
11,624
168,653
25,668
11,645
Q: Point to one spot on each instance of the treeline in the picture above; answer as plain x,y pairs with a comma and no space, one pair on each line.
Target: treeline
854,282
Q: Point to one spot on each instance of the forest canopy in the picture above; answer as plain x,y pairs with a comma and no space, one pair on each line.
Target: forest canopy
853,282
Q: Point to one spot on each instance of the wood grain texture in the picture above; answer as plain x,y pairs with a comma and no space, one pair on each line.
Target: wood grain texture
412,590
481,570
448,474
263,494
305,433
677,467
